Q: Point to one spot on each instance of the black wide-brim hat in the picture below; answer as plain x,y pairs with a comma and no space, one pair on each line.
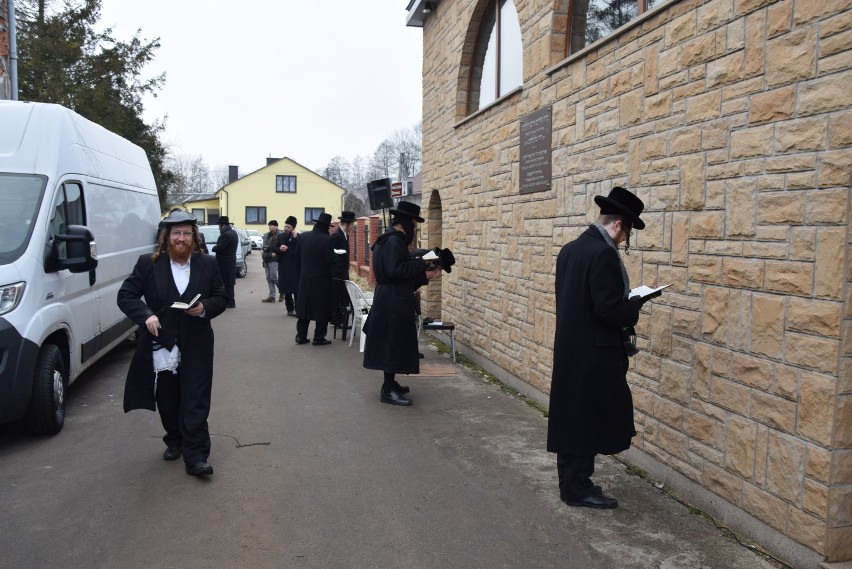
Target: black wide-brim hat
323,219
408,209
622,202
447,259
223,220
347,216
179,217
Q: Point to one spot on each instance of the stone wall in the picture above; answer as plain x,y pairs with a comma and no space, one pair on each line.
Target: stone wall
731,120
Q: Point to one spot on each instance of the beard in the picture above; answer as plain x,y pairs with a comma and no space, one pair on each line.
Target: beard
179,252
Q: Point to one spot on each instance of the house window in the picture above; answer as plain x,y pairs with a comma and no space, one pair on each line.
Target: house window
312,213
498,57
592,20
199,213
255,215
285,184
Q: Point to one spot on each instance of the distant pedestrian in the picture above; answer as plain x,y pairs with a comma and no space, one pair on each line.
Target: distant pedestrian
340,270
391,329
314,258
226,255
591,407
172,367
269,257
288,273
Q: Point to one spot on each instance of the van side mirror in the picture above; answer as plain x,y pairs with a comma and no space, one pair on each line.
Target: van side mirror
80,248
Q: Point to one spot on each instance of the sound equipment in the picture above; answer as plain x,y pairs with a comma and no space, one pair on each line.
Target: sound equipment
379,192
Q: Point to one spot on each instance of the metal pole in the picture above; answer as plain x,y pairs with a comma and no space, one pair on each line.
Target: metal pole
13,49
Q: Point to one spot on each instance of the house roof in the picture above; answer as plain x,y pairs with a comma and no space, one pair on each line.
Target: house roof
274,163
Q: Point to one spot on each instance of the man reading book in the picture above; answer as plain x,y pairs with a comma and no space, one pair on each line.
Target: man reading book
591,408
172,368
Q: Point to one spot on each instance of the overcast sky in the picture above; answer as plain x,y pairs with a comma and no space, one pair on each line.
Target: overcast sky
307,79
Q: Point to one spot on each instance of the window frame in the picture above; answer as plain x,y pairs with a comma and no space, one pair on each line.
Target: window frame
476,72
312,219
259,209
641,9
281,177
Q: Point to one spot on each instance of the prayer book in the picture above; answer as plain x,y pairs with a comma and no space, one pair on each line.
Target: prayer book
643,291
430,256
185,306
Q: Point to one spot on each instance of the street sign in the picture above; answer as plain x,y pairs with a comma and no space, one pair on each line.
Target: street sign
396,189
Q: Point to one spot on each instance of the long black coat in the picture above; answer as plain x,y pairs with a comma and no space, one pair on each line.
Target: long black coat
591,408
288,274
314,258
340,267
391,326
226,254
193,335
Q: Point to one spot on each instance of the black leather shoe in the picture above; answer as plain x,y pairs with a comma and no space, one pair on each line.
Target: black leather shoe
403,389
321,342
301,340
598,501
291,313
393,398
420,355
172,453
199,469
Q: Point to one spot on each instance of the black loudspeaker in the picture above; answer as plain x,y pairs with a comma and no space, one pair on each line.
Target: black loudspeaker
379,194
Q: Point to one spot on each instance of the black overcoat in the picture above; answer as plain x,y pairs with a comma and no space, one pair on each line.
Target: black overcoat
314,258
340,267
391,327
193,335
288,274
226,254
591,408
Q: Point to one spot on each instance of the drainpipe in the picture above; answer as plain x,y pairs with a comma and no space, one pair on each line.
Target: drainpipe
227,202
13,49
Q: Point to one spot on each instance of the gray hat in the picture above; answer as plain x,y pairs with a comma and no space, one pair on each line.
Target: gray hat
179,217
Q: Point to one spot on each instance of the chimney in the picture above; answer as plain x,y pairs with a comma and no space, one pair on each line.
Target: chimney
270,160
233,173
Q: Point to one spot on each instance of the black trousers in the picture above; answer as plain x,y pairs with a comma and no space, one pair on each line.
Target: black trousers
575,474
320,330
290,301
184,405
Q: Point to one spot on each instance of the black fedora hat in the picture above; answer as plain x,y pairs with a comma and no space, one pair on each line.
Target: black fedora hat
447,259
179,217
347,216
622,202
323,219
223,220
408,209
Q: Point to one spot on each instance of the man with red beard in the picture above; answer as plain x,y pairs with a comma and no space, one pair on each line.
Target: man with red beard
172,368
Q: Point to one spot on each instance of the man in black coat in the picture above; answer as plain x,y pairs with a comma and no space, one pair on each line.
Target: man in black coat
391,328
340,270
172,367
288,274
226,256
591,408
314,258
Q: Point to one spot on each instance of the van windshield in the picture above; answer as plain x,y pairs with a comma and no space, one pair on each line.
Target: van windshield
20,196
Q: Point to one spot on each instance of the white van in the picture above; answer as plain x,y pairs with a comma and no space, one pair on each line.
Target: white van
78,205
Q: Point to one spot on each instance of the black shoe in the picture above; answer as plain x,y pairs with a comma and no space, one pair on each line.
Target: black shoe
199,469
291,313
402,389
598,501
172,453
393,398
301,340
420,355
230,305
321,342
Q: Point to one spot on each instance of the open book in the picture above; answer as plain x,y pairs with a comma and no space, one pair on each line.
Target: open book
185,306
430,256
643,291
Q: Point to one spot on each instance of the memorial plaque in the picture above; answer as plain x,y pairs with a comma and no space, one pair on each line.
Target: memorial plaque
536,164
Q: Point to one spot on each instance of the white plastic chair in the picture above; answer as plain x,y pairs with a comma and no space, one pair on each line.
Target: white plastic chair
361,304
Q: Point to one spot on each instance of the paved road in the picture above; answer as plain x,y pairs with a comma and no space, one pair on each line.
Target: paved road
311,471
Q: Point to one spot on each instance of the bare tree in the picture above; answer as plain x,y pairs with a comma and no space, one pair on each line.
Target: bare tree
192,177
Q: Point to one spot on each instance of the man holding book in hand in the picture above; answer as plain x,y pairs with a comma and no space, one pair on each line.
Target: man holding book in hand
591,408
172,368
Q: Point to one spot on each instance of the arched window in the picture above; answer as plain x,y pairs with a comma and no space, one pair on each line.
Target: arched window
498,57
592,20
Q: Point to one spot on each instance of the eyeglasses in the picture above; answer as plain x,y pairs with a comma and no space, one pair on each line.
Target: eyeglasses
181,233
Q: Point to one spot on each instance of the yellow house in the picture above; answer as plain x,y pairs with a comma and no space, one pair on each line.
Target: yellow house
281,188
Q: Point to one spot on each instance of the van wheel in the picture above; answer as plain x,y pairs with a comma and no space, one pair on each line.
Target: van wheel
46,414
243,271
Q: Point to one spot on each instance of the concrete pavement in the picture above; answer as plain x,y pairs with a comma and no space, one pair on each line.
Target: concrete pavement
312,471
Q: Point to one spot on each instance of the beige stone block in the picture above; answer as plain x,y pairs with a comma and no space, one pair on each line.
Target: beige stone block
714,14
713,411
706,225
801,181
827,94
803,244
786,382
674,383
668,412
840,506
785,469
686,140
843,422
680,29
729,395
630,108
818,463
835,168
782,207
801,135
701,374
716,322
704,107
836,45
661,330
755,38
763,250
774,105
826,206
840,130
789,277
686,323
830,248
647,365
841,466
754,372
810,11
775,412
752,142
692,182
807,529
699,50
791,163
816,407
811,352
743,7
816,316
838,545
680,238
764,506
767,324
791,57
815,500
723,483
740,443
726,70
779,18
741,207
657,106
743,273
701,428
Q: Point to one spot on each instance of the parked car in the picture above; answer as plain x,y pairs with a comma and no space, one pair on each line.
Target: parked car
245,240
256,239
211,235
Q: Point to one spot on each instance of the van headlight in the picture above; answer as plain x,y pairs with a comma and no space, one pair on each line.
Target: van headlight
10,296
